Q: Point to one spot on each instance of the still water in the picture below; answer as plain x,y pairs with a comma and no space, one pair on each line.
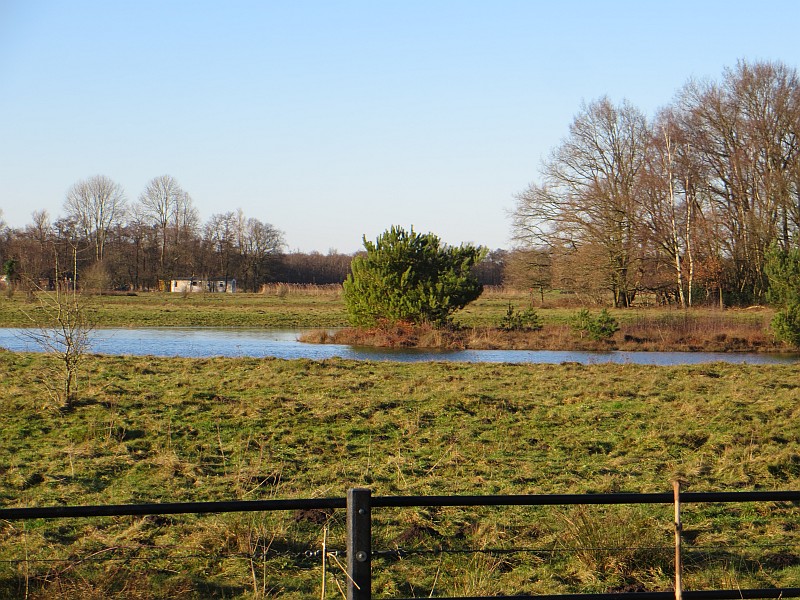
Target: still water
282,343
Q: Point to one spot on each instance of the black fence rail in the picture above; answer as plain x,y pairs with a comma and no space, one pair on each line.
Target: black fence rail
359,503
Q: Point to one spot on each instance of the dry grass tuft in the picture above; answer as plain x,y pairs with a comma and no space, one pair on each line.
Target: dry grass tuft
283,290
621,543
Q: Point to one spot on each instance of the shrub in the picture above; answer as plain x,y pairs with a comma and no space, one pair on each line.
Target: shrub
622,545
580,321
602,327
527,320
412,278
786,324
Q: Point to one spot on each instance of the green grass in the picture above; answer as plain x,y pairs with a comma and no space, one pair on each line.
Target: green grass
322,308
156,430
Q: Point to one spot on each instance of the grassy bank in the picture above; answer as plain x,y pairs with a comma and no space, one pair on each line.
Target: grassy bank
155,430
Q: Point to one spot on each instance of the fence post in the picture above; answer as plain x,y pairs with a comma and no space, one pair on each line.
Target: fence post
676,489
359,544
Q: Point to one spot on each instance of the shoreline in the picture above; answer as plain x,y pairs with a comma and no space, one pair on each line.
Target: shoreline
550,337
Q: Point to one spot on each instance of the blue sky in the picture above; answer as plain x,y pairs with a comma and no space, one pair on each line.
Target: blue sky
332,120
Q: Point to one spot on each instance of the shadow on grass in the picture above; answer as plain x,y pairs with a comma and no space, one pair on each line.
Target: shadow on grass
135,587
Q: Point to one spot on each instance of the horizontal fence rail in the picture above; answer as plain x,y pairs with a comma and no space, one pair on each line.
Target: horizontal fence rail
573,499
698,595
359,504
179,508
169,508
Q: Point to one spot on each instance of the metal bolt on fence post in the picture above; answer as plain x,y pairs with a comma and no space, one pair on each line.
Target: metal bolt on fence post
359,544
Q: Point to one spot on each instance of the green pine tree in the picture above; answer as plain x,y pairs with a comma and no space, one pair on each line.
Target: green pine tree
411,277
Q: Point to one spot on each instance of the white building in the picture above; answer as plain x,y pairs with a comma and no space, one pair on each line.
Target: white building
196,284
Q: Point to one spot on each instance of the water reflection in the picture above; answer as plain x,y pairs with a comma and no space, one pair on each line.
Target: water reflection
282,343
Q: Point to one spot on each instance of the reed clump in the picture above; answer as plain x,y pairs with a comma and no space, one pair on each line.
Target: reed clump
283,290
396,335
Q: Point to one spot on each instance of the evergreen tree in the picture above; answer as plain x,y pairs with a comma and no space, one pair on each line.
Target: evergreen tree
411,277
782,268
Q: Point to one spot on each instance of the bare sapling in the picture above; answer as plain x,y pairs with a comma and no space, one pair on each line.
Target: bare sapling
62,330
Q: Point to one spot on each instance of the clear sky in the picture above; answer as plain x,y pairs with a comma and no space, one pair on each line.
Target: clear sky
334,119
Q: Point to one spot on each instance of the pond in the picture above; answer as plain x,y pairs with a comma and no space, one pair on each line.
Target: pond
283,343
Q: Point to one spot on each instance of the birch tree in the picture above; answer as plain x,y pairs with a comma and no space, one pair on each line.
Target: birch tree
744,132
669,210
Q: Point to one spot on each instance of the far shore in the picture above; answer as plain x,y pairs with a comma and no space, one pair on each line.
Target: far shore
477,327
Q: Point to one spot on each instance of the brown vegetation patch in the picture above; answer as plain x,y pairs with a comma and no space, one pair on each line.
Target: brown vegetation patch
653,334
398,335
318,516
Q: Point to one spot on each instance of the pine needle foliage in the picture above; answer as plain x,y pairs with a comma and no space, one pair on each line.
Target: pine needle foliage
601,327
411,277
521,320
782,269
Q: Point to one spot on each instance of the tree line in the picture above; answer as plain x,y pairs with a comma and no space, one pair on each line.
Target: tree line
139,245
116,244
687,205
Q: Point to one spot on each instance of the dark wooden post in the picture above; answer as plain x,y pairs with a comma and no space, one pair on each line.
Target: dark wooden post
359,544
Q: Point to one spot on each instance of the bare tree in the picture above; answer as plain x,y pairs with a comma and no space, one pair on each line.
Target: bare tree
63,329
186,219
220,236
4,257
40,227
744,132
38,238
161,201
529,268
668,212
137,232
312,267
185,236
589,196
259,243
96,204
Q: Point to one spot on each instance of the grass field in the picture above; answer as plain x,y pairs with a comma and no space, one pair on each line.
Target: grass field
156,430
288,306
